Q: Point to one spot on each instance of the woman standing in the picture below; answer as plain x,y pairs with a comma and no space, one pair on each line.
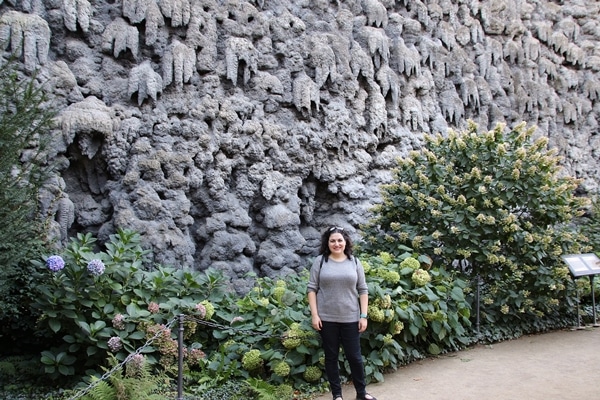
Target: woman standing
339,298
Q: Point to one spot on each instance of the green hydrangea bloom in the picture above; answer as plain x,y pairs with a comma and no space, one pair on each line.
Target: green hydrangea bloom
421,277
392,277
284,391
410,262
251,360
386,257
398,327
387,339
263,301
387,301
293,338
312,373
281,283
376,314
278,293
282,368
366,266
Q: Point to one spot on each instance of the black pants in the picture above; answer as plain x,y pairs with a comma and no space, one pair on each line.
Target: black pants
333,334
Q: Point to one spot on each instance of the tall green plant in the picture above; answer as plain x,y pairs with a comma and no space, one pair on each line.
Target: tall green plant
25,126
496,200
26,119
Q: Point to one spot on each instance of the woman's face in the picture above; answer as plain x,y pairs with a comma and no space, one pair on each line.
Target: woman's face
337,244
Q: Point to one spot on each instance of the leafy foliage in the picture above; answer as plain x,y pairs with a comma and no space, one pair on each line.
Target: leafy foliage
494,202
141,385
25,122
104,303
590,224
414,311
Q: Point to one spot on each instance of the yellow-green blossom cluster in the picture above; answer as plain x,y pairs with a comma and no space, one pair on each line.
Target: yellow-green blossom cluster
421,277
384,302
385,257
251,360
366,266
312,373
281,283
410,262
397,327
376,314
438,315
387,275
294,336
278,292
282,368
388,339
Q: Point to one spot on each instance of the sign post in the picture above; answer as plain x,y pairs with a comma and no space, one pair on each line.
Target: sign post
584,265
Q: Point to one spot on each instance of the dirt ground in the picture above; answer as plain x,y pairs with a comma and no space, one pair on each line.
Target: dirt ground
561,365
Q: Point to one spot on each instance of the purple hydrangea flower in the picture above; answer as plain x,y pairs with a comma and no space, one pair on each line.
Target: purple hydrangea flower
114,344
118,322
55,263
96,267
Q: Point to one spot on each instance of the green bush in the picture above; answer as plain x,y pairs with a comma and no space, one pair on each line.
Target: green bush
414,311
271,337
25,133
496,202
590,225
94,305
99,305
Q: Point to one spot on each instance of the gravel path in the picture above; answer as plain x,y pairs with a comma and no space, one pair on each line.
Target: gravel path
561,365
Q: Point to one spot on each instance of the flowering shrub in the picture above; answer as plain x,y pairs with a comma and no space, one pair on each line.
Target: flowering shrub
102,303
497,205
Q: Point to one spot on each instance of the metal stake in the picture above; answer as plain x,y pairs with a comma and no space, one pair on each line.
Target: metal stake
594,323
180,355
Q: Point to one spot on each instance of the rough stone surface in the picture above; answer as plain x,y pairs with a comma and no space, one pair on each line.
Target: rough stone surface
230,132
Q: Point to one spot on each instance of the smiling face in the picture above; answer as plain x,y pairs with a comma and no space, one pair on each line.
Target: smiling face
337,245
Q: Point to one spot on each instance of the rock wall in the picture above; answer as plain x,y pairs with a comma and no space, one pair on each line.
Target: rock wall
229,133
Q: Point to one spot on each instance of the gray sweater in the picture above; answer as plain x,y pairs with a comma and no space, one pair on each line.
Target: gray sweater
338,285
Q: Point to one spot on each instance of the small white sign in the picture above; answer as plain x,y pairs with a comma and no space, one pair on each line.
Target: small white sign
583,264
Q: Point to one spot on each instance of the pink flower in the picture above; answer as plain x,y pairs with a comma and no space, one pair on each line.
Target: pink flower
153,307
118,322
201,309
195,355
135,365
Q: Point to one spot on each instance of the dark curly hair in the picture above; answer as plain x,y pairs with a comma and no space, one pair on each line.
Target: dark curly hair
325,241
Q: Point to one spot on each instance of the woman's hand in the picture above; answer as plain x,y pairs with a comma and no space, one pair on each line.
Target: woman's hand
362,325
316,322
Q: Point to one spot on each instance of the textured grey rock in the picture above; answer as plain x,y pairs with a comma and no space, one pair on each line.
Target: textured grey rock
229,133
